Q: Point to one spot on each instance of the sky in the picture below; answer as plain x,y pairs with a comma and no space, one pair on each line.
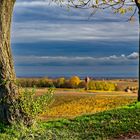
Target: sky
53,41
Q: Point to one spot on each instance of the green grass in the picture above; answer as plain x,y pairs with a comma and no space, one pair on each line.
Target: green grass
103,125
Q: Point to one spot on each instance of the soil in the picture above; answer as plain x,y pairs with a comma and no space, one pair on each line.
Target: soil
129,136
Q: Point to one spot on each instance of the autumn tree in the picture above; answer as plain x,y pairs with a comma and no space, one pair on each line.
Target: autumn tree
8,88
74,81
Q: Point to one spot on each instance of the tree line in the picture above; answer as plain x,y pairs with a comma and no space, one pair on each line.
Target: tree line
73,82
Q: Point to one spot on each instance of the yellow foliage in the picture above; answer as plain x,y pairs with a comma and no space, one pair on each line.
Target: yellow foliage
70,106
74,81
102,86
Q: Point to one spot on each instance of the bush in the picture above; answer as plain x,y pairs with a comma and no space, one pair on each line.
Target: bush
91,85
82,84
30,106
104,86
60,82
42,82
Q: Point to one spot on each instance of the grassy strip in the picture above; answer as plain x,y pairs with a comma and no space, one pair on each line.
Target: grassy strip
98,126
104,125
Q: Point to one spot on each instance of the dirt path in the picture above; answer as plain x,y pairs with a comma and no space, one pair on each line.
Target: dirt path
76,92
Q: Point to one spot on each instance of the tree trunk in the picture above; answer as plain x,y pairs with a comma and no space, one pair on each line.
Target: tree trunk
139,60
138,5
8,88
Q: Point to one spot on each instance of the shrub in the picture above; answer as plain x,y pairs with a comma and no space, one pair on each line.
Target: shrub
42,82
30,106
112,87
66,84
104,86
91,85
60,82
82,84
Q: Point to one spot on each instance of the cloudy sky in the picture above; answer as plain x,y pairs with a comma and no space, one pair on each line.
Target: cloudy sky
50,40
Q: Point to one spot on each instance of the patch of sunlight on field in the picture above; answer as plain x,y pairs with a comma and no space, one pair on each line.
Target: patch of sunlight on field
70,106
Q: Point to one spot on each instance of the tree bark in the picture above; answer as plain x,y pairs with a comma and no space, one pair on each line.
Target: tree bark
138,5
8,88
139,59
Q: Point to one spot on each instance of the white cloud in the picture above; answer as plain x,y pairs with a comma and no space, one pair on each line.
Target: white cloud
133,55
45,31
78,60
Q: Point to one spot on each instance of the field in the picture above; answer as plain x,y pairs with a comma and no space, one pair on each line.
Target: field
69,103
79,105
